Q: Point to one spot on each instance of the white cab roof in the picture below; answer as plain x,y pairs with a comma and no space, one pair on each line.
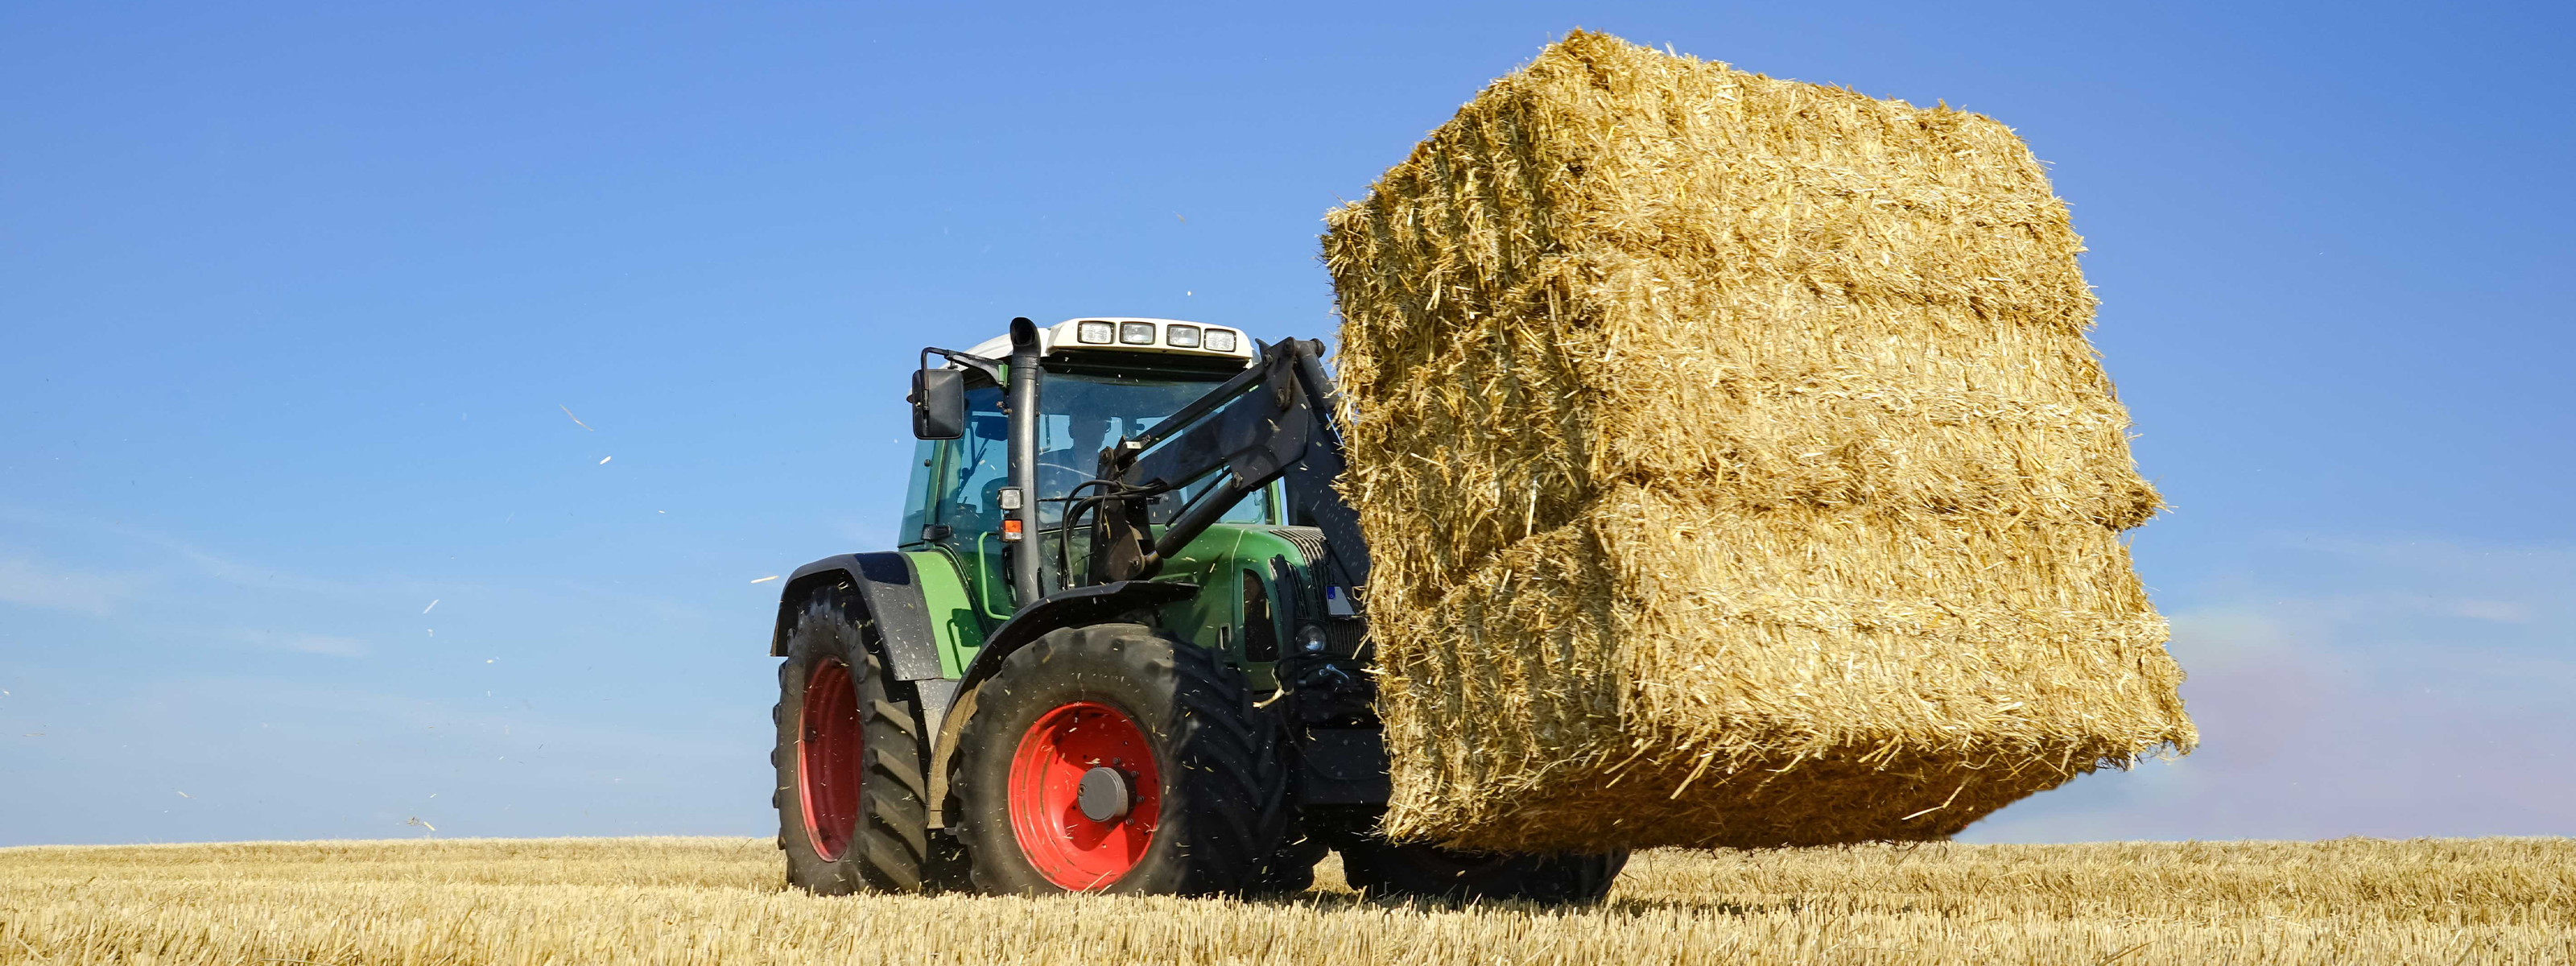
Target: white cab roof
1067,334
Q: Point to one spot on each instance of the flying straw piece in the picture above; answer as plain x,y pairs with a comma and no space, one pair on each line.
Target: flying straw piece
576,420
603,461
425,610
184,794
767,579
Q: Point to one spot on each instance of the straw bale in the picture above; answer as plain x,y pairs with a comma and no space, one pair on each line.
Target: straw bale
1735,467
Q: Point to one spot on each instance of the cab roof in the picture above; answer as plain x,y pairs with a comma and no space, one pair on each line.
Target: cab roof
1067,335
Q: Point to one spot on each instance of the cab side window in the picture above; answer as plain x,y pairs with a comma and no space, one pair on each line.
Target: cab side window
916,493
974,468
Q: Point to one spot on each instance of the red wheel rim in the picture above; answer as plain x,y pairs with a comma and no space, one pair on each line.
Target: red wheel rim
828,750
1068,847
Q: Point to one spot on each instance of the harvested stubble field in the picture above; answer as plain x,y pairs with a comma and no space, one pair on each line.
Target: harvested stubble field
719,901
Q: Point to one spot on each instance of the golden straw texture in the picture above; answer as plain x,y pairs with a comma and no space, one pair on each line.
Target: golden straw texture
717,902
1735,467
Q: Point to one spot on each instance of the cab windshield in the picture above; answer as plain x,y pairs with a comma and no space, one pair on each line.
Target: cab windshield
1082,414
1079,415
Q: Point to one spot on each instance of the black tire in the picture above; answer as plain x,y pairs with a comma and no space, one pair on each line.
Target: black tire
1221,785
881,839
1381,868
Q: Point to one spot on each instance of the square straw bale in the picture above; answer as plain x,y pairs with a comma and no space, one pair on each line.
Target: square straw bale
1735,467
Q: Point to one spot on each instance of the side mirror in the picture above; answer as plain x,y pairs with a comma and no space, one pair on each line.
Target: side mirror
938,403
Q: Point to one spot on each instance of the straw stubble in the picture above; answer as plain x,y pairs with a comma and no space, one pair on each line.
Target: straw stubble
605,902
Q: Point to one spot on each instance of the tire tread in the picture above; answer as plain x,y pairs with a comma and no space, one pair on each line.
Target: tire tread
890,846
1230,776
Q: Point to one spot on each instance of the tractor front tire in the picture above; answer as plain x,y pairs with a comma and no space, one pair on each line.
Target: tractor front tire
852,812
1116,758
1378,867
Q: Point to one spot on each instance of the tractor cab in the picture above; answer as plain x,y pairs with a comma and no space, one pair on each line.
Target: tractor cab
1101,380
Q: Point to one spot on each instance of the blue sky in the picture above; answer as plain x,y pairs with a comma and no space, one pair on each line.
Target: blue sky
294,301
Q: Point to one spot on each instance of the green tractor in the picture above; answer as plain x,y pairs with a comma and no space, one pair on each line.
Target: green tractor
1119,647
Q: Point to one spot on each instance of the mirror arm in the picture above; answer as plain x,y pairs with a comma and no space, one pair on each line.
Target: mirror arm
991,368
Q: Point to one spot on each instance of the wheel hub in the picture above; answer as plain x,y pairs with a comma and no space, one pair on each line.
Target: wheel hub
1103,795
1085,794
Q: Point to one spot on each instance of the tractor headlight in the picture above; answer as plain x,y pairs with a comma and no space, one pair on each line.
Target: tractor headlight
1220,340
1181,336
1136,333
1312,639
1096,333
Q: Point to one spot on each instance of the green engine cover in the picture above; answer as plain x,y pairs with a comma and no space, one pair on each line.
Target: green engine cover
1236,610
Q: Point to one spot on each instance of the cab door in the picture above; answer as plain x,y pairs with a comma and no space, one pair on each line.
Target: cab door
963,515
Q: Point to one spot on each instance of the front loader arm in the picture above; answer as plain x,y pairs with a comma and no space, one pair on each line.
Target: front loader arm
1274,421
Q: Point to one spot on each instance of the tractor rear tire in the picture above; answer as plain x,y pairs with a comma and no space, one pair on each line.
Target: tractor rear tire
1117,758
851,801
1381,868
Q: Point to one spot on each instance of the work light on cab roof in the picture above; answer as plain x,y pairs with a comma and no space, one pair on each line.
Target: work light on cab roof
1133,335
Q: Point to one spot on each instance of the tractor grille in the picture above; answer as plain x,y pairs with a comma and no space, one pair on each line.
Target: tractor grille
1346,636
1308,541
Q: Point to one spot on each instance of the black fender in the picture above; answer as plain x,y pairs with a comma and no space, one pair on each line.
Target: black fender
890,589
1069,608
